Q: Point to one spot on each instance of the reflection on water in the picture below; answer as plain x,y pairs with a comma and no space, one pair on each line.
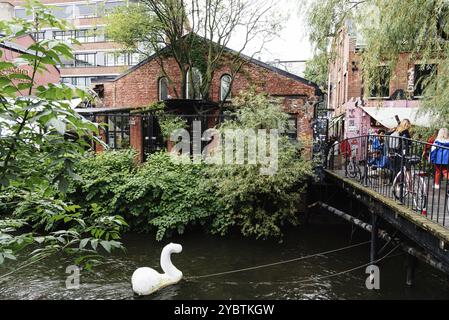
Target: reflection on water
205,254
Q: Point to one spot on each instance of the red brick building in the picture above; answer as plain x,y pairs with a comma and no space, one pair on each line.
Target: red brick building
357,112
145,84
13,49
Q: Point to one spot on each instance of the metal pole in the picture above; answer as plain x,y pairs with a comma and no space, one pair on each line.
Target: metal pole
366,161
411,263
374,232
401,196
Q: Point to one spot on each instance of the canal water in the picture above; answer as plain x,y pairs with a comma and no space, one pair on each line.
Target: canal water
206,254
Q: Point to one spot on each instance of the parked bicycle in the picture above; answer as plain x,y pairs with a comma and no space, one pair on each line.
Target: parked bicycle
352,169
410,182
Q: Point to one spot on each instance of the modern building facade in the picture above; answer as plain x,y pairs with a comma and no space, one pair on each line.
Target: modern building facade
356,112
96,59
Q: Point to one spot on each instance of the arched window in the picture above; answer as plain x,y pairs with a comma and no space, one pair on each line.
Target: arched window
163,89
225,87
195,91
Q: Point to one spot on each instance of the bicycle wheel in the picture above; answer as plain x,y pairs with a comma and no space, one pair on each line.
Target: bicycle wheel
397,185
352,169
419,193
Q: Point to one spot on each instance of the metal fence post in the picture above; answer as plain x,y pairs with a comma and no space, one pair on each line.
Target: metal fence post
365,178
402,152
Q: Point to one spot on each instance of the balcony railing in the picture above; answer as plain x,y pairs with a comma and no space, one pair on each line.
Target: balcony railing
414,173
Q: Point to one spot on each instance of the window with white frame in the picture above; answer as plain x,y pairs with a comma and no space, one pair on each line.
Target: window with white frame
85,35
163,89
62,12
77,81
194,82
20,13
225,87
85,10
63,35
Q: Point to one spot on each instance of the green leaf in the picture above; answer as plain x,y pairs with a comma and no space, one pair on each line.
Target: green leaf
24,85
83,243
6,65
94,243
106,245
63,184
39,239
9,256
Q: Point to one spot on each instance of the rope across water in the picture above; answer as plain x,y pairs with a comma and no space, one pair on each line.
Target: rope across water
277,263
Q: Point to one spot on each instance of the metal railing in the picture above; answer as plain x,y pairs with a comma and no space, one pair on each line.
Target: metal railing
414,173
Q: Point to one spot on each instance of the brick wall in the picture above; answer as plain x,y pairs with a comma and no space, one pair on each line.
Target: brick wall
52,75
139,88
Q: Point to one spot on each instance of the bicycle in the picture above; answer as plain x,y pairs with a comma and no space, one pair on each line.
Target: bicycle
415,184
352,169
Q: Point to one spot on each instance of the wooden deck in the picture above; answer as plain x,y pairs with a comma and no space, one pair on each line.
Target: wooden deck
435,222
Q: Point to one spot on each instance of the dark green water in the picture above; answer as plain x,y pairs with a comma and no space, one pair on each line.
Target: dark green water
205,254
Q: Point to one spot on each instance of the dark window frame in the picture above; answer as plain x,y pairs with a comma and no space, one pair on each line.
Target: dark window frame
39,36
381,89
421,75
84,65
85,35
114,134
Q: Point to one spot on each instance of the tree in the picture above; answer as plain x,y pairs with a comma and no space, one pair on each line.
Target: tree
41,139
388,28
317,69
195,34
259,205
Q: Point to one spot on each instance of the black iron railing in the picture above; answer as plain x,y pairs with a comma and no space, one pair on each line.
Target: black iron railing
414,173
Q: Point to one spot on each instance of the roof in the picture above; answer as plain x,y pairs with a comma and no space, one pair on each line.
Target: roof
173,105
20,49
259,63
386,116
101,110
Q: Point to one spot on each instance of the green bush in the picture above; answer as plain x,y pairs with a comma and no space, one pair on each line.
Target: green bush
166,196
101,175
259,205
159,195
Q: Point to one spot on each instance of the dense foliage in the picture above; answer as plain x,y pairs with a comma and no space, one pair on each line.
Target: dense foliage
160,195
259,205
57,198
41,139
167,196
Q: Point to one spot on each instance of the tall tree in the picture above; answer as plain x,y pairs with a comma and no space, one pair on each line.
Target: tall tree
195,34
317,69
